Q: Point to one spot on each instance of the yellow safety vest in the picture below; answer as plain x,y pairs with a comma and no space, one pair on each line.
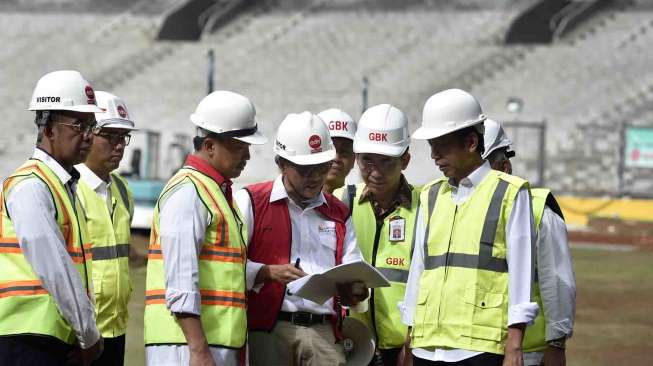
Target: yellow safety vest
463,291
26,307
110,236
535,336
221,272
390,257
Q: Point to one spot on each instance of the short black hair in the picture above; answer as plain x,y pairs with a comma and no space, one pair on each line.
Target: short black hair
199,140
480,147
498,156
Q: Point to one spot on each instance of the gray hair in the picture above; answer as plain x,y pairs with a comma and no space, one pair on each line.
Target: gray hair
41,121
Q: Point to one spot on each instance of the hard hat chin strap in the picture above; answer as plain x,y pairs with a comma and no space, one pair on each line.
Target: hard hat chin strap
304,201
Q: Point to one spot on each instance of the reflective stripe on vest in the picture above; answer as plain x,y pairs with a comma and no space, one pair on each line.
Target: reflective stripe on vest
535,336
221,271
26,307
392,259
463,291
110,235
484,259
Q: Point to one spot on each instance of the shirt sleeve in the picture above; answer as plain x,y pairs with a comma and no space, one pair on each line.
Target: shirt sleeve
556,276
183,220
407,307
520,238
244,203
351,252
43,246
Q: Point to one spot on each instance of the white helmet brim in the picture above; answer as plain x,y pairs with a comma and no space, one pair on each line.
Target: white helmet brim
313,159
363,147
257,138
427,133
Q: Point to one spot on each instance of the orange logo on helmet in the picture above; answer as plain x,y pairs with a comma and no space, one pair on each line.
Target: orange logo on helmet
121,111
90,95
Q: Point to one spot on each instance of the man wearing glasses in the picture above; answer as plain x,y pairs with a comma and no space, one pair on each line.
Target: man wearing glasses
195,304
45,283
384,209
295,229
109,208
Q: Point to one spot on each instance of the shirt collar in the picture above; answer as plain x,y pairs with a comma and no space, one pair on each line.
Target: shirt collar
279,192
91,179
403,197
47,159
474,178
204,167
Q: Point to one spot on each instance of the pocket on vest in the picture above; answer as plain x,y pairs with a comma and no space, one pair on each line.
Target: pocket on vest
487,312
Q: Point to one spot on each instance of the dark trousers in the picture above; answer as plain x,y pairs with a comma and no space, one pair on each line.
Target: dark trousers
113,354
33,350
484,359
386,357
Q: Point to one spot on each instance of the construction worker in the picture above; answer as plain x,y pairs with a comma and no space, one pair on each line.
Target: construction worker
45,290
342,129
384,208
195,292
555,286
109,208
296,229
468,292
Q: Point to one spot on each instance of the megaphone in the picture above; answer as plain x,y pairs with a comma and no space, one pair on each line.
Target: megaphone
358,342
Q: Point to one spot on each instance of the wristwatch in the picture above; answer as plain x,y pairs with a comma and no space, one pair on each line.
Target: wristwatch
558,343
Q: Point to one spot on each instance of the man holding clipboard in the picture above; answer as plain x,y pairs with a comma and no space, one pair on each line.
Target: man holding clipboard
288,219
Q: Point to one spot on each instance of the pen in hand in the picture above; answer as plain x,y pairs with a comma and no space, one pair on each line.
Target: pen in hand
296,266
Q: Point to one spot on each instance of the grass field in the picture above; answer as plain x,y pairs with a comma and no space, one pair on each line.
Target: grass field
614,315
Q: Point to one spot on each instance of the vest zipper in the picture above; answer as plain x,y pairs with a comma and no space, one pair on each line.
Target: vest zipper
375,249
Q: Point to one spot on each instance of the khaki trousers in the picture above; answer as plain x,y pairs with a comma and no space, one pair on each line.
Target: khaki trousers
295,345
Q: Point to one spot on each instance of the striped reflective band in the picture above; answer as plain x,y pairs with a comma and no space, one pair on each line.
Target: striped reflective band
209,297
484,260
123,192
9,245
222,254
154,252
110,252
79,255
22,288
224,298
394,275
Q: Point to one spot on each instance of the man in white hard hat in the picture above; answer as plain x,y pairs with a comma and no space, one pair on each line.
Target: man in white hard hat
384,208
46,305
468,297
342,129
195,301
555,286
109,208
294,229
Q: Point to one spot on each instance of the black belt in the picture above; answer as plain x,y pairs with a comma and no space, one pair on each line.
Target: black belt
304,318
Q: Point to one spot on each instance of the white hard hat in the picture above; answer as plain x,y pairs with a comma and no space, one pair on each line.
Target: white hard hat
228,114
495,137
448,111
304,140
64,90
340,123
115,113
382,129
358,342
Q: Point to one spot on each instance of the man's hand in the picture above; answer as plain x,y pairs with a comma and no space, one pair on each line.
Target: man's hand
514,355
554,356
283,273
406,355
191,325
201,357
352,293
84,357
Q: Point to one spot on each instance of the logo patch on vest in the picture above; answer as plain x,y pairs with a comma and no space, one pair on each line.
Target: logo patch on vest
397,228
327,228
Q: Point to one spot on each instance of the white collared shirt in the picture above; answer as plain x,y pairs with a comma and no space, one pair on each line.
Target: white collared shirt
519,230
183,219
99,186
313,241
33,213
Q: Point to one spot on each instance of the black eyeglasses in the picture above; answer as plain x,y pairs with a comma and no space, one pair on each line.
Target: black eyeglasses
114,138
308,170
83,128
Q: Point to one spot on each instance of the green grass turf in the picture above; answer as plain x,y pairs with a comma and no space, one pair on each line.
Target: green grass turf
614,315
